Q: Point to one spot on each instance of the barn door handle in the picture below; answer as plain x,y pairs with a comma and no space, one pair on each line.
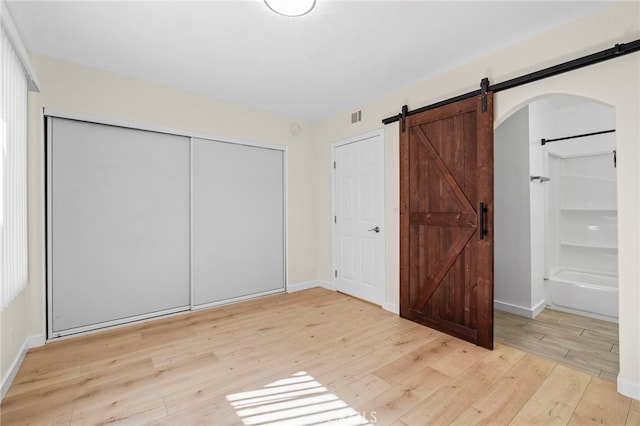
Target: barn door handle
483,210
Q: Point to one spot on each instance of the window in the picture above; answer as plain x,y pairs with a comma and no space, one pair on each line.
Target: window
13,171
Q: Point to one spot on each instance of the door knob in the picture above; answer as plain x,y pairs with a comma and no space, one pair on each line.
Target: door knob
376,229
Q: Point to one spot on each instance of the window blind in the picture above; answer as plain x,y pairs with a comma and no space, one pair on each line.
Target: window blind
13,175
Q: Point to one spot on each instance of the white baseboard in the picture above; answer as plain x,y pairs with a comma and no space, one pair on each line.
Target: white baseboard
327,285
520,310
628,388
539,308
391,307
31,342
291,288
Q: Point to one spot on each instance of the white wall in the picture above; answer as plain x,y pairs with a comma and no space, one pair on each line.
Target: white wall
558,116
615,82
538,220
512,239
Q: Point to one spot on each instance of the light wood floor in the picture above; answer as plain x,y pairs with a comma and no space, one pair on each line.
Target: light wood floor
578,342
303,358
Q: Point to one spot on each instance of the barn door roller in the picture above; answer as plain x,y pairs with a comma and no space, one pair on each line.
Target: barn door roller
403,117
484,88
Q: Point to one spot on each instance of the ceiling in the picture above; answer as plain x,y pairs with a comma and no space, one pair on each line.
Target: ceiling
339,56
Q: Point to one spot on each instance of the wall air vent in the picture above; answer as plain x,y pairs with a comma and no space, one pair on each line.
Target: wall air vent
356,116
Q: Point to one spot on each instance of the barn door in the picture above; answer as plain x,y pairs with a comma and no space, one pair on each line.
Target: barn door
446,220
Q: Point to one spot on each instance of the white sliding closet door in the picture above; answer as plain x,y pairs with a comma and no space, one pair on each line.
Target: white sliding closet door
238,221
118,225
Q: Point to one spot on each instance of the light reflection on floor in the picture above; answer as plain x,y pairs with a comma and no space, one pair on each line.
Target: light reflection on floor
299,400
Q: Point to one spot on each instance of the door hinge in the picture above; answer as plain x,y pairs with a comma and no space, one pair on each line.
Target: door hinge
615,157
336,273
334,164
335,219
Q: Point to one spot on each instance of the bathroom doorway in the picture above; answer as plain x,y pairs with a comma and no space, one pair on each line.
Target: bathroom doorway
556,291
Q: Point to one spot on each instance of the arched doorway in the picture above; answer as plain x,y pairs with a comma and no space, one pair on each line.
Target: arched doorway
556,232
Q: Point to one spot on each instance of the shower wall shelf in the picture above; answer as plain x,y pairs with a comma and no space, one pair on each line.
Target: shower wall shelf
586,233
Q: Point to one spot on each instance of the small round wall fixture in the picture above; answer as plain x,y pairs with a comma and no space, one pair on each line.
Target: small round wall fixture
295,129
291,7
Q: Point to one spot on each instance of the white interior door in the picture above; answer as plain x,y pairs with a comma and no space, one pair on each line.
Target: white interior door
358,231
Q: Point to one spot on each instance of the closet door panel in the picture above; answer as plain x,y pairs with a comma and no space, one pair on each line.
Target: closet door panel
238,221
119,224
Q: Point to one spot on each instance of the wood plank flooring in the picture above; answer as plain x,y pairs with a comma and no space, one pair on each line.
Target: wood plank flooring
304,358
577,342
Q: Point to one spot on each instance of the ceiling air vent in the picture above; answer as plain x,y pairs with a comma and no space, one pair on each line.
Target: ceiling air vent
356,116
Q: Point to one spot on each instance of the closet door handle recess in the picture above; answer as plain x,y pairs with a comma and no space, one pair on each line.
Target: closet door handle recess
483,230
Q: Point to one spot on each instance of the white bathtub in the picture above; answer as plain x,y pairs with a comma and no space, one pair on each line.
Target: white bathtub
583,293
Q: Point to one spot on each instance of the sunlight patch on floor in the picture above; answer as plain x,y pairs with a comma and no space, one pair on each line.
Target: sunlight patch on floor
297,401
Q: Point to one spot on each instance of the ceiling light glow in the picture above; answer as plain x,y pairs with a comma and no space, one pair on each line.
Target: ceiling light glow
291,7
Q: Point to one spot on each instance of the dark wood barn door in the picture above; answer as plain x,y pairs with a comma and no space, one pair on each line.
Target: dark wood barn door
446,261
